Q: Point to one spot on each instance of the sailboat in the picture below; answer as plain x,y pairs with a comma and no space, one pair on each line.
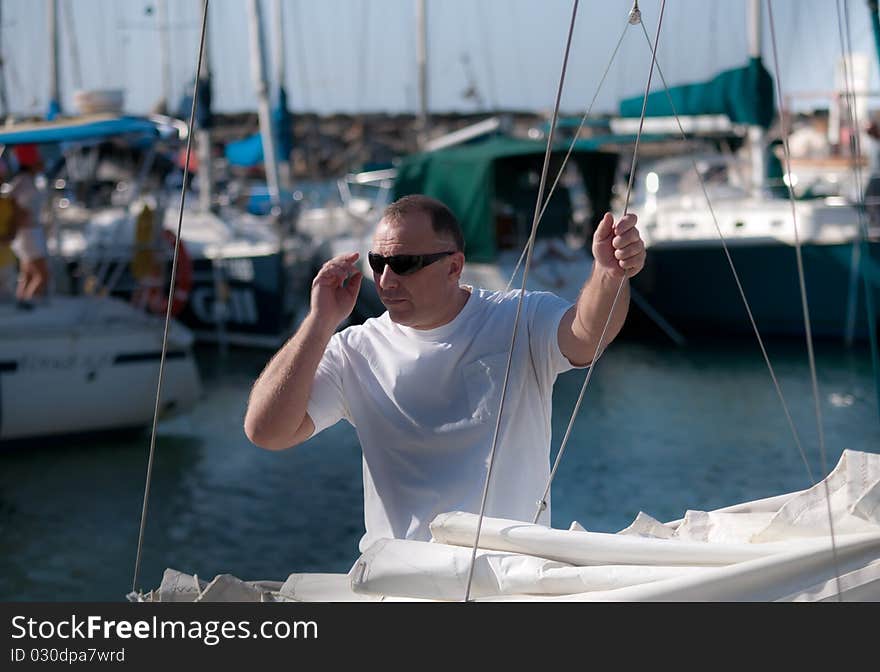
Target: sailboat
246,273
254,269
90,358
755,217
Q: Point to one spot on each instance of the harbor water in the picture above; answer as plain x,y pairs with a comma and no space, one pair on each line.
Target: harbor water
662,429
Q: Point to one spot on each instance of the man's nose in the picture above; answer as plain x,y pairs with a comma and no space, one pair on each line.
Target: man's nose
388,278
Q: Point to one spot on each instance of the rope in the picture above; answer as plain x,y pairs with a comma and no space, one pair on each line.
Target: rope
189,137
635,16
806,308
519,304
736,278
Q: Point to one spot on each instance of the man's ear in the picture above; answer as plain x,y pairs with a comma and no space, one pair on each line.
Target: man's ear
457,265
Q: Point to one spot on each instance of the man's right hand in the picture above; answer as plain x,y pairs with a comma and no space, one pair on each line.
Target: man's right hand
335,289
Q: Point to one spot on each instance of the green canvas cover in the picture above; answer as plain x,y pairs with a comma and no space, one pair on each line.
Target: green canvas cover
473,179
744,94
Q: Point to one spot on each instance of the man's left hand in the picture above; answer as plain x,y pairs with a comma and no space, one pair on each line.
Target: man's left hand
617,247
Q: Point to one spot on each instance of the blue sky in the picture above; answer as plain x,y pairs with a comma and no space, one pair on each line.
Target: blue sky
359,55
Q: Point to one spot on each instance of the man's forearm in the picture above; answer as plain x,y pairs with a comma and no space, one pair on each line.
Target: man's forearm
279,399
591,312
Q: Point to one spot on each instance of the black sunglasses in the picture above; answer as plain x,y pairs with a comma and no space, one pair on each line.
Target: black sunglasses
404,264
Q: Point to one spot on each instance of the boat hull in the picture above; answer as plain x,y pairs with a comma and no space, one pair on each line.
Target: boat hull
244,284
251,301
693,287
84,365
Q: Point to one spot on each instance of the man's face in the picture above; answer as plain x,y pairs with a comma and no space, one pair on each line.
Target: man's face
423,299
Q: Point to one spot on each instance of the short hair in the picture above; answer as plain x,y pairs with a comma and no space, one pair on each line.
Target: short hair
442,220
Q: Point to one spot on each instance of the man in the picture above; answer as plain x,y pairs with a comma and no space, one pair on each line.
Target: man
422,383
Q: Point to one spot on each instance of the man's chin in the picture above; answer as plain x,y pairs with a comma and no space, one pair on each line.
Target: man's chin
399,312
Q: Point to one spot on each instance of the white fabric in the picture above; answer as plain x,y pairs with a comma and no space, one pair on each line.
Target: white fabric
436,571
424,404
801,575
646,526
322,588
750,551
524,562
854,491
720,526
791,575
588,548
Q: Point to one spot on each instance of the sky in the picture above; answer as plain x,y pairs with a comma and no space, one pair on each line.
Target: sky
360,55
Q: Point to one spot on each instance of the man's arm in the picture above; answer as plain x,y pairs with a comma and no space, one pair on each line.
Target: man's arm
618,254
276,416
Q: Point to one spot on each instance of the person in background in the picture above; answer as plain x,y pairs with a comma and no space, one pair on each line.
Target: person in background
29,244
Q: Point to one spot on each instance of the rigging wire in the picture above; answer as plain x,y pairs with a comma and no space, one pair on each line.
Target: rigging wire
571,145
856,152
171,288
635,16
804,305
544,171
736,278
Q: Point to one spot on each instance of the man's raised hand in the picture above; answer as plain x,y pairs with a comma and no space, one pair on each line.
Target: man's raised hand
335,288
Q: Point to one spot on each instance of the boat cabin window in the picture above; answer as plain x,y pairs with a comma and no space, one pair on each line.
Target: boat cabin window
517,180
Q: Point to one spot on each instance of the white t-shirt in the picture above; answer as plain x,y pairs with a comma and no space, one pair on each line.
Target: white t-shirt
424,404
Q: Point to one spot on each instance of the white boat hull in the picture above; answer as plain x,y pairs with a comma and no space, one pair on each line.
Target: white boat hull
82,364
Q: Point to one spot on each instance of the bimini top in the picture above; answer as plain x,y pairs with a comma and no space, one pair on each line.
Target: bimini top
84,129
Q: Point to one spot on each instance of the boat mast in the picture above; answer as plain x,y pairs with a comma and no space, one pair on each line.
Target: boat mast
263,110
281,115
54,87
205,172
422,64
164,53
4,103
756,133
